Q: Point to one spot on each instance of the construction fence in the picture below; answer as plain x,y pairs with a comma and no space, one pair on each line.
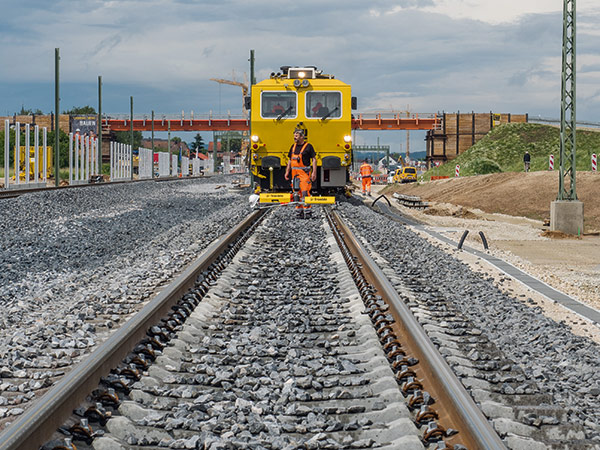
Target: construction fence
29,163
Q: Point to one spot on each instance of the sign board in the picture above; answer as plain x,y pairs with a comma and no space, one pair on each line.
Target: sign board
319,200
275,197
85,123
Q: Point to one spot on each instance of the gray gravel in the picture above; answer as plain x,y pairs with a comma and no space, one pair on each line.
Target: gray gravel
278,355
557,361
76,263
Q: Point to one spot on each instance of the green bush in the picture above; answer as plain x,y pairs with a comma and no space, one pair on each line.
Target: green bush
482,166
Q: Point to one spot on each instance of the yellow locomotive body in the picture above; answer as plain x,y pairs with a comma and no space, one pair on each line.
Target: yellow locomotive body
301,98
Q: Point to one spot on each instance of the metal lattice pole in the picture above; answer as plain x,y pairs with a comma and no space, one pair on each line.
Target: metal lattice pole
568,147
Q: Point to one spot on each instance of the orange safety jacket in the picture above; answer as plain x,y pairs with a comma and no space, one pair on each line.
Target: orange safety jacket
297,159
366,170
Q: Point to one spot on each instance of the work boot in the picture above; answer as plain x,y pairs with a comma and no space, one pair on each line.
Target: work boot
299,214
307,213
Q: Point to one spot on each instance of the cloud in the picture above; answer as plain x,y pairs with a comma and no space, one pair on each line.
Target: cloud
433,55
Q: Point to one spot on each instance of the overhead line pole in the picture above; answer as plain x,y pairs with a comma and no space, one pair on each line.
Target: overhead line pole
152,143
99,125
56,117
252,82
566,212
568,122
131,134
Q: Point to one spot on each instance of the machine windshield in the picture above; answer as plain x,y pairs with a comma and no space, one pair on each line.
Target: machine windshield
324,105
278,105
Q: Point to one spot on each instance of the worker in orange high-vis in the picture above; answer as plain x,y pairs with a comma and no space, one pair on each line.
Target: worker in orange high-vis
366,174
301,171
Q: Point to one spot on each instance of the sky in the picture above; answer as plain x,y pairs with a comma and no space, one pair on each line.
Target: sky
425,56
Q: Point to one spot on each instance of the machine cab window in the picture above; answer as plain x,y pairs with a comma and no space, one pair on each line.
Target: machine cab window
278,105
324,105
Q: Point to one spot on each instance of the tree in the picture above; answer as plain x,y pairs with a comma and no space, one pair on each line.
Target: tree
29,112
88,110
124,137
198,144
231,141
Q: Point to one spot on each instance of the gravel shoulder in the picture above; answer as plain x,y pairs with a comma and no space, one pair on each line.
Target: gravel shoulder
568,264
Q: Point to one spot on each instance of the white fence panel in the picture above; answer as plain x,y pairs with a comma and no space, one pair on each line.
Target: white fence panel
196,167
145,163
27,162
120,161
174,168
185,166
164,166
83,160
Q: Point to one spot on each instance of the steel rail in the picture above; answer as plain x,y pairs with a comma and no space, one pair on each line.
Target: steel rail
473,425
16,192
46,415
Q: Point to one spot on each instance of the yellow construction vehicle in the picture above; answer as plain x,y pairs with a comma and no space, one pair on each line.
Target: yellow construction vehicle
23,164
306,98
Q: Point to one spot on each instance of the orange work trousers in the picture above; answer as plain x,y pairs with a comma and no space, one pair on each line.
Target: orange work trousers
366,184
305,185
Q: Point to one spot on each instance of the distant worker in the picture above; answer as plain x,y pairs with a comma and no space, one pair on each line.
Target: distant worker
315,110
526,161
366,173
299,166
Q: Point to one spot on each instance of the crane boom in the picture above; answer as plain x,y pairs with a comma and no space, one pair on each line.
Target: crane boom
233,83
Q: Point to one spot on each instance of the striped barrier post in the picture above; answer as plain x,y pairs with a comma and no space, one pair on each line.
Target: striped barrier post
594,163
457,171
551,162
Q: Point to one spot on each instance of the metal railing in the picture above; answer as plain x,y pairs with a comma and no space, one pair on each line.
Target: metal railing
553,121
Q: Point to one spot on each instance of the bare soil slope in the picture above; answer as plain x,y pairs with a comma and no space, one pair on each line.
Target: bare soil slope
513,193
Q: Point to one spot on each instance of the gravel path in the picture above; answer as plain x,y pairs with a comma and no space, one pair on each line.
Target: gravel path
78,262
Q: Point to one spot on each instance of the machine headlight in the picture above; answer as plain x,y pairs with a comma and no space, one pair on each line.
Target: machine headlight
301,74
304,83
254,138
347,138
297,83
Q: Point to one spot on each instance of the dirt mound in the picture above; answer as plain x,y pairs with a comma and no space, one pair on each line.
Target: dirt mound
513,193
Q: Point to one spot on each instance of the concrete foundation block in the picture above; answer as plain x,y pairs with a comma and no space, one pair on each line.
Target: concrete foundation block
566,216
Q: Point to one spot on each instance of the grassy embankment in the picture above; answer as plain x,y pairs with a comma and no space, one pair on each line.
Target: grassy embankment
502,150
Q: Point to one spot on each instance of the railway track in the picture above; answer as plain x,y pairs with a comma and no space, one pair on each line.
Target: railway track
297,340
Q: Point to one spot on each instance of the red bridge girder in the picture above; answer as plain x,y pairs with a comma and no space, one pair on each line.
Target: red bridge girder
396,123
178,125
358,123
